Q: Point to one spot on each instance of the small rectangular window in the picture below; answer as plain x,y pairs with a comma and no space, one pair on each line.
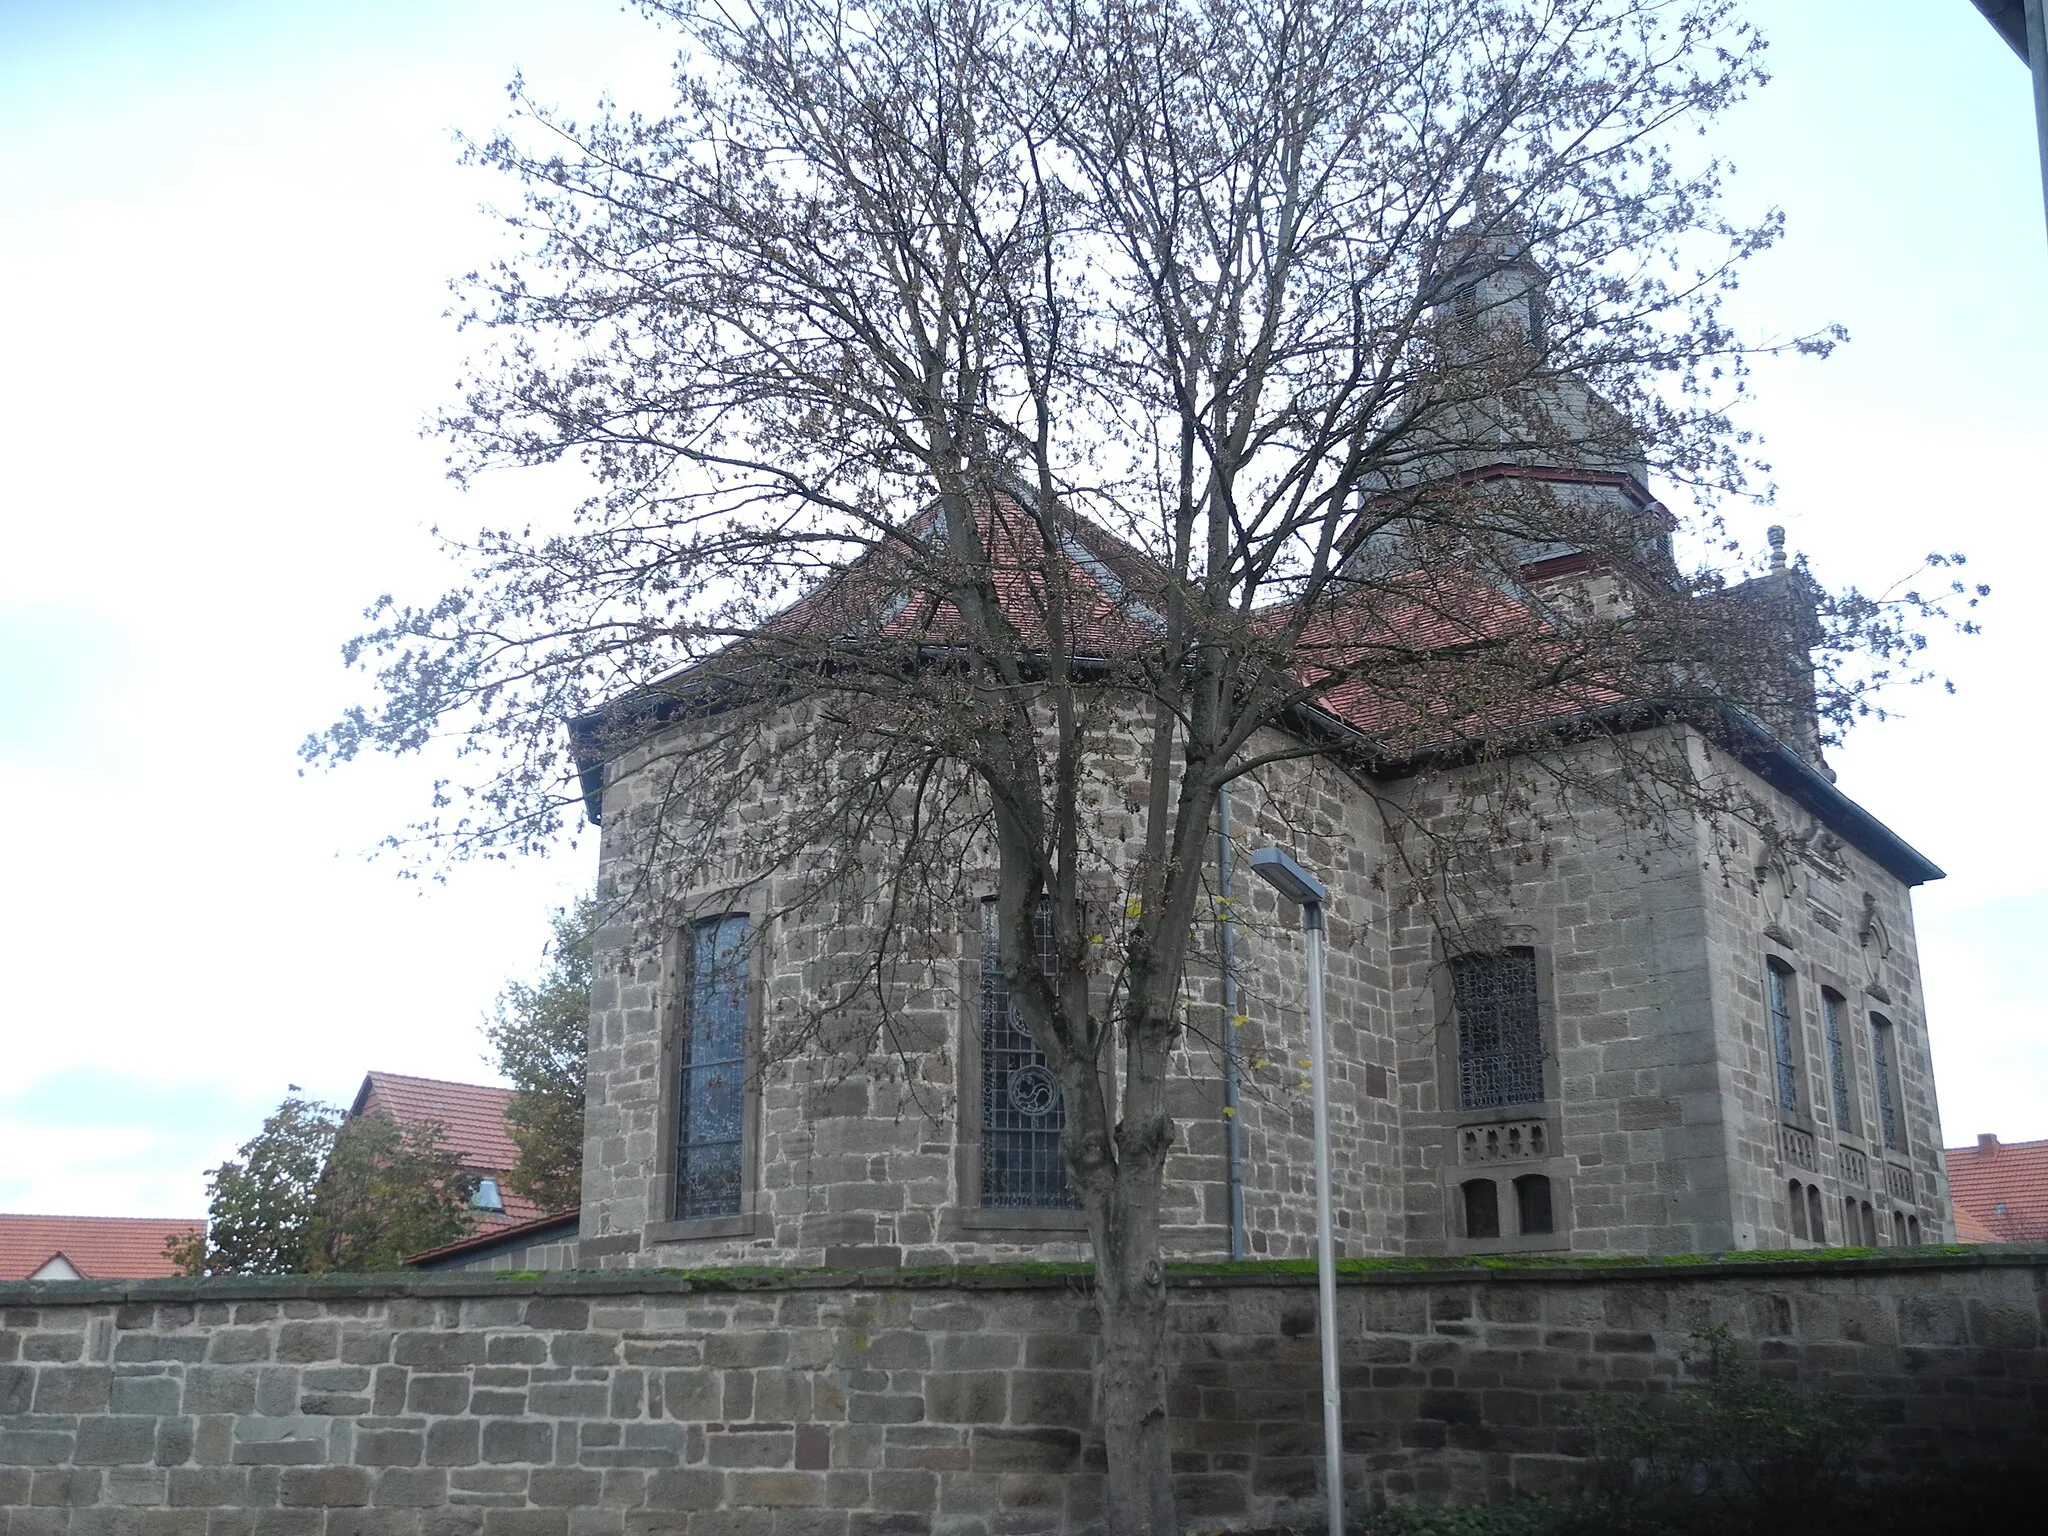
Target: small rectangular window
1532,1204
1022,1109
1838,1065
711,1092
1887,1087
1500,1034
1482,1208
1779,978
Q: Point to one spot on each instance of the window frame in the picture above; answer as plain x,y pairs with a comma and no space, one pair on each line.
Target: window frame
1887,1084
1445,1003
1450,1121
967,1219
1841,1054
749,1220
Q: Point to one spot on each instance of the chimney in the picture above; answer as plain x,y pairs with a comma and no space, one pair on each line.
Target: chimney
1987,1142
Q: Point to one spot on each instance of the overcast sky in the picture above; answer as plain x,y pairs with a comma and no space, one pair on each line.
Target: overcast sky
225,233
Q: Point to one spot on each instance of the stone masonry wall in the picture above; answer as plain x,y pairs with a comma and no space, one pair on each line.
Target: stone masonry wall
641,1402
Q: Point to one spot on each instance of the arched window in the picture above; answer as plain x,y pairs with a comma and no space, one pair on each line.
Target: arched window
1778,979
1816,1214
1532,1204
1852,1229
1482,1208
1022,1111
1869,1225
710,1101
1887,1087
1838,1059
1913,1230
1500,1034
1798,1209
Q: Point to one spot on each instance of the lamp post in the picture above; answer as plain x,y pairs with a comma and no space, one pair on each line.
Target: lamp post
1295,883
2024,26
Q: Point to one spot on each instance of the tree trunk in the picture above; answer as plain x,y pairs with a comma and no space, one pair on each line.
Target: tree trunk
1130,1298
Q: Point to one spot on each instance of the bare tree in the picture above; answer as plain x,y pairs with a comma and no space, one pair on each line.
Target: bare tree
1006,412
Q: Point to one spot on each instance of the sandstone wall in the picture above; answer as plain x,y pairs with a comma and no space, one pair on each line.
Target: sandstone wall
632,1403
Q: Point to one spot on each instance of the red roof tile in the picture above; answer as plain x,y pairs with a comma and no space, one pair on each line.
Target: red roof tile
98,1247
472,1114
2002,1187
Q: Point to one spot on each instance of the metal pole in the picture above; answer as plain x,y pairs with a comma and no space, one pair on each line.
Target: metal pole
2037,61
1326,1257
1233,1134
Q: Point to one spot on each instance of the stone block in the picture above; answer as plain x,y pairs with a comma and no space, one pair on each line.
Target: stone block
437,1349
453,1443
66,1487
1060,1398
307,1342
1023,1450
518,1440
390,1447
207,1486
775,1490
325,1487
73,1389
444,1394
411,1488
17,1389
966,1397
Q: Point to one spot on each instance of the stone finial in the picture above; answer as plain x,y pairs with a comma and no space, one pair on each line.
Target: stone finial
1776,534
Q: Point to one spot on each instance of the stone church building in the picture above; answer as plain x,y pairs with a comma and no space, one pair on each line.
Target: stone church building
1636,1048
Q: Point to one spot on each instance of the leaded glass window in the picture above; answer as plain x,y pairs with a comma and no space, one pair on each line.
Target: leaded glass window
1500,1037
1838,1066
1779,979
711,1097
1881,1064
1022,1110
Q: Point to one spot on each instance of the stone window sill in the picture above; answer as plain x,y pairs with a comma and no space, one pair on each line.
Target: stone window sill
743,1225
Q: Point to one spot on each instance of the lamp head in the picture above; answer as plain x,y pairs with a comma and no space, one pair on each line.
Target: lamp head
1279,870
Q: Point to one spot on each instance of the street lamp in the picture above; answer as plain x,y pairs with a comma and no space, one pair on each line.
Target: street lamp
1299,886
2024,26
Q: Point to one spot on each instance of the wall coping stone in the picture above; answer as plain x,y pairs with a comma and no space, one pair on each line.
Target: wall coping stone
1515,1269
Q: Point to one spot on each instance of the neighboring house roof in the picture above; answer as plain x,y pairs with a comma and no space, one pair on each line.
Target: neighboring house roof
472,1114
2002,1187
92,1247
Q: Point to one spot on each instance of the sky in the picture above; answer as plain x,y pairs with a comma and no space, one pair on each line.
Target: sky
226,232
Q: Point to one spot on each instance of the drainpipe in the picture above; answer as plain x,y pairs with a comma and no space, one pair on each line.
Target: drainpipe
1226,934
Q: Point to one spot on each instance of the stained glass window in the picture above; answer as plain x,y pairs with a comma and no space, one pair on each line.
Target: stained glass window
1500,1039
1838,1066
1022,1111
713,1072
1779,979
1881,1063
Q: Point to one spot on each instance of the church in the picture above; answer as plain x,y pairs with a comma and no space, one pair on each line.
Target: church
1632,1046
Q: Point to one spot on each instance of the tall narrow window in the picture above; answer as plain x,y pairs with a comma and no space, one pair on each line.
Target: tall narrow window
1482,1208
1532,1204
1500,1036
711,1100
1798,1209
1838,1066
1022,1111
1779,981
1817,1212
1887,1088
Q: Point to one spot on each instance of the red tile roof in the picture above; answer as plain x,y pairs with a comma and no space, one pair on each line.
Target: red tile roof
472,1114
98,1247
2002,1187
